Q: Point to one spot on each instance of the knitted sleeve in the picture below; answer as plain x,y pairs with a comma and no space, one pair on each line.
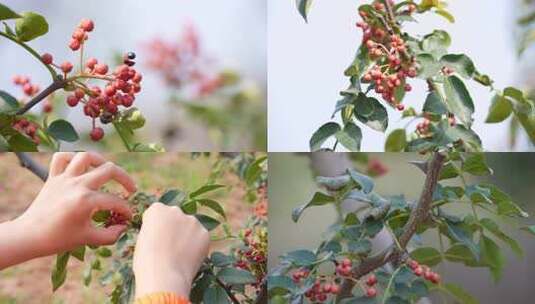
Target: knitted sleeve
161,298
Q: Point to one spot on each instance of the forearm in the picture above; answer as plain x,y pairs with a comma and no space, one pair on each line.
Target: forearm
18,244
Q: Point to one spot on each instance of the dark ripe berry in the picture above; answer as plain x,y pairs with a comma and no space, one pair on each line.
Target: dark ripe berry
28,89
106,118
129,62
47,58
335,289
97,134
418,271
79,34
131,55
137,78
400,107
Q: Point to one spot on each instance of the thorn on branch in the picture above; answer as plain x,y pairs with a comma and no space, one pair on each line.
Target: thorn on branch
418,215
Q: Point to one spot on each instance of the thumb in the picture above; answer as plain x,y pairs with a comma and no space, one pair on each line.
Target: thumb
106,236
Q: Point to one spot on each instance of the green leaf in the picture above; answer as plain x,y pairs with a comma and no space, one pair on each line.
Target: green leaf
319,199
79,253
460,294
505,205
133,119
303,6
350,137
254,170
500,109
215,295
434,104
396,141
448,171
208,222
63,130
427,255
59,272
324,132
104,252
476,164
235,276
428,66
300,257
461,63
493,228
458,99
172,197
492,256
215,206
205,189
221,260
6,13
447,15
457,233
278,284
436,43
365,182
371,112
21,143
360,247
11,101
31,26
459,253
530,229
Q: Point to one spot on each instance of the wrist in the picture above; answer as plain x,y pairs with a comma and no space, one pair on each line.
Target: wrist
19,242
153,281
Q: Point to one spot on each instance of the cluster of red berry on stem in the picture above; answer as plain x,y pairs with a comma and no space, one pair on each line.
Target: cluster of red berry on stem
253,257
25,83
393,62
28,128
424,272
103,103
115,218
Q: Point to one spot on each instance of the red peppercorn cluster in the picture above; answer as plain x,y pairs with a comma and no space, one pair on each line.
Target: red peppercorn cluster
424,271
261,207
25,83
80,34
394,64
253,257
122,85
28,128
115,219
370,289
321,290
422,128
183,66
343,268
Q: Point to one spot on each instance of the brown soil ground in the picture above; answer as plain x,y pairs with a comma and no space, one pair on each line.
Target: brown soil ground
30,281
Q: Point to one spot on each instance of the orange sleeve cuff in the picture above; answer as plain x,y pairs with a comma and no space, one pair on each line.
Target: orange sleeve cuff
162,298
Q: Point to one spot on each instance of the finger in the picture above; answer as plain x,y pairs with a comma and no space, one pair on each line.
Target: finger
83,161
107,172
106,236
59,162
106,201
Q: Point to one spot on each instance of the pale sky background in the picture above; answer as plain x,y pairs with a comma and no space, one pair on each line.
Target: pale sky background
233,32
306,64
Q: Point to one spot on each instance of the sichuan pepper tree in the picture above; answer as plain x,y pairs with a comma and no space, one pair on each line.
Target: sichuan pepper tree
387,64
220,99
234,275
105,96
345,269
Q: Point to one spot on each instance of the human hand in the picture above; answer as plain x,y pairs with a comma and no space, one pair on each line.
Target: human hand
60,218
170,249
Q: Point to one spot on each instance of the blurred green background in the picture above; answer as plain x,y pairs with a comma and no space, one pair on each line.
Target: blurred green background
291,182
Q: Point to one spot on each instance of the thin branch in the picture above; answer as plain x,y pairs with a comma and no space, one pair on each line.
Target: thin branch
262,296
390,12
227,290
27,162
419,215
56,85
